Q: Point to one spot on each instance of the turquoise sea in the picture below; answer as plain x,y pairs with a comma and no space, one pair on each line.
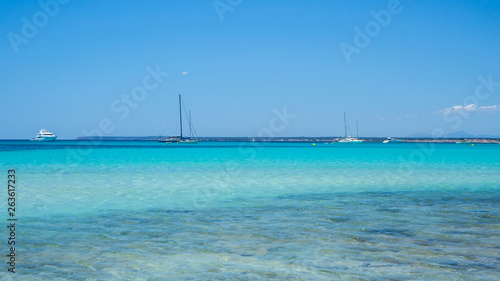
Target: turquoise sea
253,211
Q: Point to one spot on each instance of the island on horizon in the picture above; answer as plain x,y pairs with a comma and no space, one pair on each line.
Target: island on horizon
291,139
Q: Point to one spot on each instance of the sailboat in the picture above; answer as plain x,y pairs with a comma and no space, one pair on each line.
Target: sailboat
180,138
190,139
350,139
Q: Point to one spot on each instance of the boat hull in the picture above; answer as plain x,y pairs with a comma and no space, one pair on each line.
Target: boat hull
45,139
179,141
350,140
188,142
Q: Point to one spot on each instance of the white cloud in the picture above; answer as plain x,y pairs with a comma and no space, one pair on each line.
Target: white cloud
468,108
185,73
456,108
491,107
412,115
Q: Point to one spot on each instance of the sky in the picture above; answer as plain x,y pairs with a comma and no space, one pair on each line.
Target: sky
249,68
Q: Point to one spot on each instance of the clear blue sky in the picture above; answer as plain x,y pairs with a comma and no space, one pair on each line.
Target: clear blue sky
260,56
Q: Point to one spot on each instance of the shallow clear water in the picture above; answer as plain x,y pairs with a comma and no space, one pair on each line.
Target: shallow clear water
246,211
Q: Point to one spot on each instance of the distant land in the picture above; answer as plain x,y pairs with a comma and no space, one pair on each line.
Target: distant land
416,137
458,134
292,139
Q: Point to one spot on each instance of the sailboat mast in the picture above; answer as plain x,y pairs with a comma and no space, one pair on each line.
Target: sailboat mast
345,126
357,129
180,114
190,129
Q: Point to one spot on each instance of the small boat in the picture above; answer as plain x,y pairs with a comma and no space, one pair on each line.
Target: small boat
45,136
349,139
391,140
464,141
171,139
180,139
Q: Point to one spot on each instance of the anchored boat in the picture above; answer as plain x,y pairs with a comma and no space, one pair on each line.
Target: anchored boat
391,140
44,135
350,139
180,138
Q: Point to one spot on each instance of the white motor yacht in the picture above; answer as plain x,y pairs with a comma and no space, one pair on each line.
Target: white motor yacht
391,140
44,135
